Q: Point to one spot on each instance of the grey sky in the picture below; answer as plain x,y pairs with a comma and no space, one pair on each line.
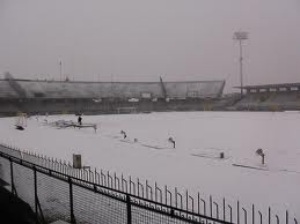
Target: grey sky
122,40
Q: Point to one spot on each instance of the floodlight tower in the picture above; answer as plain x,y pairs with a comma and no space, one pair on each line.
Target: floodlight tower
240,36
60,70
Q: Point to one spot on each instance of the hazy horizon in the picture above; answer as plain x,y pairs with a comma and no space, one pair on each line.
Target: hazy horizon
139,40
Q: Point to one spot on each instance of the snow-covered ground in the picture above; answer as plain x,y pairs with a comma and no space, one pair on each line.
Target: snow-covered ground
193,164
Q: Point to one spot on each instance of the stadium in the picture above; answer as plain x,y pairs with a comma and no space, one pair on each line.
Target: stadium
52,97
116,183
69,97
149,112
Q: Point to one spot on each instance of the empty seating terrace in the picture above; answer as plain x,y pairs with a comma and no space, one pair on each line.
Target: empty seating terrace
57,89
271,97
33,96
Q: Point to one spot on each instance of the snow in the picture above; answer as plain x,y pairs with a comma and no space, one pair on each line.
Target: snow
194,164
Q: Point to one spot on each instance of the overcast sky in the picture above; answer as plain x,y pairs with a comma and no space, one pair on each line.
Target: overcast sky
140,40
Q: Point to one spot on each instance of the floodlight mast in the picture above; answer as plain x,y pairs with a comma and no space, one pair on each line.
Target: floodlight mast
60,70
241,36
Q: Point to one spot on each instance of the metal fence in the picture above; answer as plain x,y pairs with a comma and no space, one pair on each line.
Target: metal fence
56,190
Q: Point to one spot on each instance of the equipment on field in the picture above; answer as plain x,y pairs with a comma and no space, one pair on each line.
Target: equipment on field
21,121
260,152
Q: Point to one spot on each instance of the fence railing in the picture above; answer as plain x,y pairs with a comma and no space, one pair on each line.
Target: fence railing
138,201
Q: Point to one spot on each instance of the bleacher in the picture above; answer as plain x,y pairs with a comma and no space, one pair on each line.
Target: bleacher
54,89
105,97
271,97
109,97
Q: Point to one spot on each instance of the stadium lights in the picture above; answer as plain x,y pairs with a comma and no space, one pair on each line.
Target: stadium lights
241,36
60,70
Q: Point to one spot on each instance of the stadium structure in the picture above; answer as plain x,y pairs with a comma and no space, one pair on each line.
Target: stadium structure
24,174
271,97
69,97
53,97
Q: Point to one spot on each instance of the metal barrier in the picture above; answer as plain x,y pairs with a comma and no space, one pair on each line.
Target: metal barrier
54,195
56,190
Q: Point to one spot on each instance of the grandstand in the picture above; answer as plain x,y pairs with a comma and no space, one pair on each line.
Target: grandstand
36,96
272,97
56,97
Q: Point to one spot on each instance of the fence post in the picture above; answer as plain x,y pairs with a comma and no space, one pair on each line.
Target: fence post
211,206
146,189
170,194
269,215
192,201
38,209
217,209
230,212
253,214
204,206
71,201
187,200
13,189
245,215
198,202
224,209
138,187
128,202
238,212
277,218
35,194
260,217
115,179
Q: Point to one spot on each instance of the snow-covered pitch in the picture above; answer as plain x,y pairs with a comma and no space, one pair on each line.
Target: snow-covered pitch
194,163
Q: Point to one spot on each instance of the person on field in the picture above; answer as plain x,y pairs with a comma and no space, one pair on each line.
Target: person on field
80,120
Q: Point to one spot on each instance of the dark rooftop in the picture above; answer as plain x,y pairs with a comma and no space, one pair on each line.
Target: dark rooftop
268,86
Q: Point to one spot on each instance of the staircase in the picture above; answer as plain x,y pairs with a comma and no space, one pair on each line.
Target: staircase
15,86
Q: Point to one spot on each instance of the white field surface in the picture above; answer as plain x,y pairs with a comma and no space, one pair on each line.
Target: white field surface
200,136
